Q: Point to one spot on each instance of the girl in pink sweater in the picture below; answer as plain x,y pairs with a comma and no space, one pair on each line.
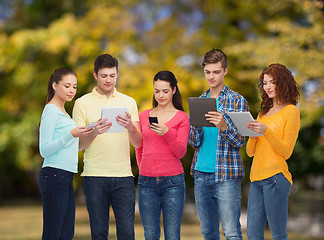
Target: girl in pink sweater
161,185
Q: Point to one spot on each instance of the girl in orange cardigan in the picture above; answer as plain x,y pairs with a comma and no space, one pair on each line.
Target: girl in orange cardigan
279,123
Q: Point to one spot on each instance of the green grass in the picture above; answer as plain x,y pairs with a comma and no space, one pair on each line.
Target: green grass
25,223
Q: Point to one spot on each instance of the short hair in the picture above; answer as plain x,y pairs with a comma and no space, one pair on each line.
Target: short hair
286,87
105,61
215,56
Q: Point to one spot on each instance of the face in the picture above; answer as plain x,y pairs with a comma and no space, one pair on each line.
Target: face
66,88
106,80
163,92
215,74
269,86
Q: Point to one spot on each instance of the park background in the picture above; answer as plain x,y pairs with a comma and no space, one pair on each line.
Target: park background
38,36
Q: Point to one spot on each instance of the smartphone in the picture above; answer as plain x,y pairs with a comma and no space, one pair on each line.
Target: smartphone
91,125
153,120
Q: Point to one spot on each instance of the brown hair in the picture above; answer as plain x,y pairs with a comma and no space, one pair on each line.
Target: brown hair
105,61
56,77
215,56
286,87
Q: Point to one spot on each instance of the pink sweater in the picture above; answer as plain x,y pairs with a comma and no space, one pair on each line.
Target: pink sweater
159,156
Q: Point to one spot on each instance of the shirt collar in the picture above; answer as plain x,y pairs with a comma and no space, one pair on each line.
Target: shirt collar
224,91
97,94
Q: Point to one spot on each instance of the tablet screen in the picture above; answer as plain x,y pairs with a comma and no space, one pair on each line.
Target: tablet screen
198,107
111,113
240,119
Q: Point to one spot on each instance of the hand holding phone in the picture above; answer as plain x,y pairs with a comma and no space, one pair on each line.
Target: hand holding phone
153,120
91,125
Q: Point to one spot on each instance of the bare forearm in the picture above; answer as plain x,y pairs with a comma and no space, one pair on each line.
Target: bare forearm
85,141
135,137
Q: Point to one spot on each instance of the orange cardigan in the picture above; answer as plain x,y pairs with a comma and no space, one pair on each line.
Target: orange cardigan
271,151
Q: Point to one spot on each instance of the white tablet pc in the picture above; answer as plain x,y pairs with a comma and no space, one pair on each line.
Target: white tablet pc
111,113
240,119
198,107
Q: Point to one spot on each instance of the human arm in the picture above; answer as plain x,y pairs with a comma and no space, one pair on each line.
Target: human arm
196,136
79,116
177,139
231,134
133,129
139,150
101,127
250,146
47,144
284,146
259,128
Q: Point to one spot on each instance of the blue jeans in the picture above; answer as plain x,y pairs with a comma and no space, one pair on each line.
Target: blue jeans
56,188
218,200
166,194
268,200
119,192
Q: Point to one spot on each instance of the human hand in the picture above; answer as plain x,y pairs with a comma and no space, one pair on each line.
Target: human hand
217,119
159,128
257,127
102,126
80,131
125,121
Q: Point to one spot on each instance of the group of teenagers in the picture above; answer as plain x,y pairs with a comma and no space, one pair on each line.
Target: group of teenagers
217,166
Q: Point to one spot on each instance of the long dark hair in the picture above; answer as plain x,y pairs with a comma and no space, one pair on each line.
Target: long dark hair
169,77
56,77
286,87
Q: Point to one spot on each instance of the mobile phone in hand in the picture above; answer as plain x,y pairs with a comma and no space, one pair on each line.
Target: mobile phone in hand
153,120
91,125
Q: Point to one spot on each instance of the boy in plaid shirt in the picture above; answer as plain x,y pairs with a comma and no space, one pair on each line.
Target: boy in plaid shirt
217,166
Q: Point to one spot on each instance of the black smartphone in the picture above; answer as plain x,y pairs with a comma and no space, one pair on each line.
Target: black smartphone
153,120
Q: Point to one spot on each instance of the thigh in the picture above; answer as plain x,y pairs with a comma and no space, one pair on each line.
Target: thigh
276,191
172,202
54,186
228,195
122,199
69,221
96,193
256,216
149,202
206,205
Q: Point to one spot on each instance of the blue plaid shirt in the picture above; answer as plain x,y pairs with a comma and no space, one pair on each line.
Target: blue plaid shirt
229,164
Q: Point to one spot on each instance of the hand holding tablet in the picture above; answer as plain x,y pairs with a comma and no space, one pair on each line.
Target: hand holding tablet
240,120
198,108
111,114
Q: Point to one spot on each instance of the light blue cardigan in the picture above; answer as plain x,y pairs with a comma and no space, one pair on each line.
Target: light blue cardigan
56,144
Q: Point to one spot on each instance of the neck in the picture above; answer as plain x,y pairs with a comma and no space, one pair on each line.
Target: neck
215,91
277,104
107,94
58,102
166,108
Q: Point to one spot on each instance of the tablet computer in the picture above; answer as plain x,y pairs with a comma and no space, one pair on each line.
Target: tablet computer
111,113
198,107
240,119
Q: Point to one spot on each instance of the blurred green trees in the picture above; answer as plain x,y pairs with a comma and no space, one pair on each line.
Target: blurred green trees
147,36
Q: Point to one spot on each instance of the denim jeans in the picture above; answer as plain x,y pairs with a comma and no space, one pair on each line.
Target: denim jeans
119,192
268,201
56,188
166,194
218,200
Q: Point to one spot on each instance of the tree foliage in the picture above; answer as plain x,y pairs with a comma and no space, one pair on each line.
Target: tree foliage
146,37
